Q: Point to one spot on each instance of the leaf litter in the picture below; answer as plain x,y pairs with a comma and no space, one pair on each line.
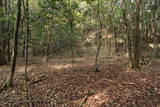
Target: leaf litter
55,83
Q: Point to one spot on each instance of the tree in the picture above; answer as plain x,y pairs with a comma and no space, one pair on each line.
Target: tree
8,8
26,12
137,36
100,36
9,81
2,34
71,20
128,31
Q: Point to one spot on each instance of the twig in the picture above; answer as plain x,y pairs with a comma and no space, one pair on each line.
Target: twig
128,83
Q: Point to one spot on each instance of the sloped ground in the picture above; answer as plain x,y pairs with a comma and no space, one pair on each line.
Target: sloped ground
56,83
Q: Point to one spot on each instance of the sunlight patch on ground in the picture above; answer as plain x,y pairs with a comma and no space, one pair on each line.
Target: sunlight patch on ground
80,59
4,68
21,69
59,66
129,71
143,79
98,100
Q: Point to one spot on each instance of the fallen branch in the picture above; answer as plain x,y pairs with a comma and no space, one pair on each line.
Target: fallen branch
40,79
129,83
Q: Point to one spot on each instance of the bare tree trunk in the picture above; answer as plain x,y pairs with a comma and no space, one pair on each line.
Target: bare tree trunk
110,47
24,41
130,50
128,31
7,6
9,81
22,27
8,49
115,41
2,41
71,19
100,37
136,48
71,42
27,39
156,48
48,40
2,58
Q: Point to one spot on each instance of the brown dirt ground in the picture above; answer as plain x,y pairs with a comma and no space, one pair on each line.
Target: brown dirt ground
64,85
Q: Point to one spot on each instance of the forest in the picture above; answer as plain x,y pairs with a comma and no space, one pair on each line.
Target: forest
79,53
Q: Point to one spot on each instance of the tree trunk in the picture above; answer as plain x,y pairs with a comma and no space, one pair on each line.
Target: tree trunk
24,41
129,41
130,49
71,19
100,38
2,40
14,54
136,47
2,58
115,41
7,6
27,39
48,50
8,50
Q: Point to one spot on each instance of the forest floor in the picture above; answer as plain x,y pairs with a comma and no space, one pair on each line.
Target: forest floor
56,83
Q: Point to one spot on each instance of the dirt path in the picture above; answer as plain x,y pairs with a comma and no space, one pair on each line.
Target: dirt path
56,84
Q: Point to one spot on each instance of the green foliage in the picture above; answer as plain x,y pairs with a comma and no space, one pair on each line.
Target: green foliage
53,17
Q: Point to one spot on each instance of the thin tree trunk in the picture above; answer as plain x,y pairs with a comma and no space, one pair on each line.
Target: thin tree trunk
129,41
24,41
8,50
27,37
110,47
9,81
130,50
71,18
8,27
71,42
100,38
106,44
136,48
115,41
48,40
154,30
2,41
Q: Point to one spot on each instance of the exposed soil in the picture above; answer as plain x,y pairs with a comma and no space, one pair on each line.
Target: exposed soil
58,83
